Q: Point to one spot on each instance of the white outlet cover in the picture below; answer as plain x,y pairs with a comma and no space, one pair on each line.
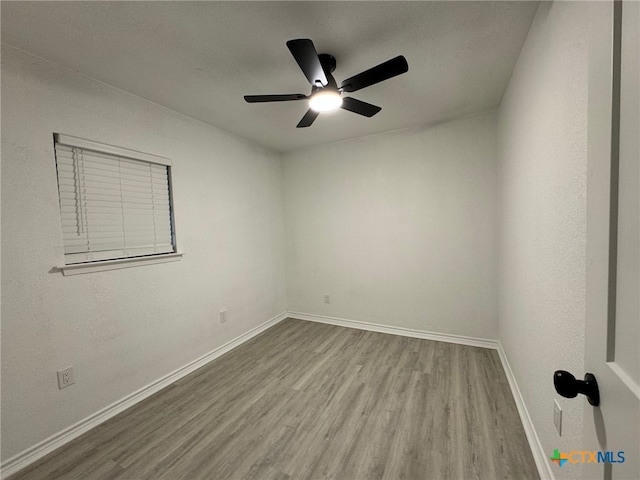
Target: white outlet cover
557,417
66,377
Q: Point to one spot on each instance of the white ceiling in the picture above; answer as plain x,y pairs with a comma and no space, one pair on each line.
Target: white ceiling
200,58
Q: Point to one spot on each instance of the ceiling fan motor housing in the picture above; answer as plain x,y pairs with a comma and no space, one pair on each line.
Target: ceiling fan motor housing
328,62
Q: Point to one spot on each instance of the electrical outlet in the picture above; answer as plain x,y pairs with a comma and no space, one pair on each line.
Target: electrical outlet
557,417
327,298
223,316
66,377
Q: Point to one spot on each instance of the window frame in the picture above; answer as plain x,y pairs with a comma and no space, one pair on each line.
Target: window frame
90,266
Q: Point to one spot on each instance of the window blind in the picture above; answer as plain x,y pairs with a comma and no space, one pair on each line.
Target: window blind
112,206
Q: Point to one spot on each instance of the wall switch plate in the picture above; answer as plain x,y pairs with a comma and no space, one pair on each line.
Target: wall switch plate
66,377
327,298
223,316
557,417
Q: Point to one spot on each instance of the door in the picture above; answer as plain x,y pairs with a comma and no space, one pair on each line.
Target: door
613,247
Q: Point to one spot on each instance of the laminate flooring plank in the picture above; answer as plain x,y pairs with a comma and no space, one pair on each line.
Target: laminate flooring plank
344,433
306,400
316,432
511,460
214,436
58,463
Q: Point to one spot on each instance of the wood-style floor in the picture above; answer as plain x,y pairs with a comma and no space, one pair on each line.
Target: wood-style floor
306,400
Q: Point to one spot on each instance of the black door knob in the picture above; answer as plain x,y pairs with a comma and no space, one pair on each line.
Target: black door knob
567,386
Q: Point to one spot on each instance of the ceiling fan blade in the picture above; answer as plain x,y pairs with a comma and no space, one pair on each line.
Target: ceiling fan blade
308,119
360,107
305,54
274,98
384,71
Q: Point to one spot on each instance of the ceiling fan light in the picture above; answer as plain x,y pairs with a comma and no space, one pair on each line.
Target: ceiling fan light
325,101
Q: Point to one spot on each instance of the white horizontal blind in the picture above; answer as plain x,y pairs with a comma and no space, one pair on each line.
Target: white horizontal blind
112,206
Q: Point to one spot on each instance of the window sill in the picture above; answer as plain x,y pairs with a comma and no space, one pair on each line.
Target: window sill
91,267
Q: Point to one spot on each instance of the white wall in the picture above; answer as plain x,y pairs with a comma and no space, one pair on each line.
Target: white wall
542,145
122,329
399,228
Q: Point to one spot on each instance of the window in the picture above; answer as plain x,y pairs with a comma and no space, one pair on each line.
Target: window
114,203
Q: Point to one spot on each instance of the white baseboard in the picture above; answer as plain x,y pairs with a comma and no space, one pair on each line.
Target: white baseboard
405,332
36,452
542,462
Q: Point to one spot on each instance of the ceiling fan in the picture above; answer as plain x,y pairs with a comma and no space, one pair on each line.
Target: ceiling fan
325,93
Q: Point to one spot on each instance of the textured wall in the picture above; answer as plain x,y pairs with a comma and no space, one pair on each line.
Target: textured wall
398,228
542,145
122,329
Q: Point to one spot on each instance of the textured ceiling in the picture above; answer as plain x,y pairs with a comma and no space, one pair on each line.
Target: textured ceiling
200,58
